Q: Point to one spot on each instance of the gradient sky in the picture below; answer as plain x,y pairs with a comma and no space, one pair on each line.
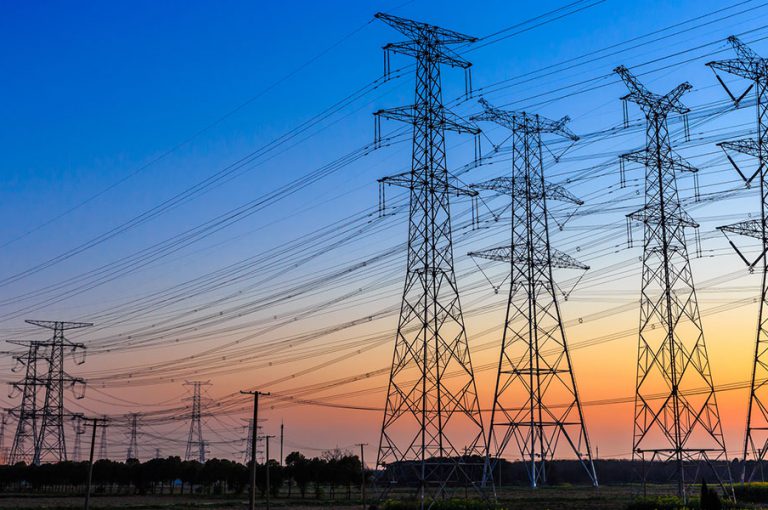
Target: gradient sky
110,109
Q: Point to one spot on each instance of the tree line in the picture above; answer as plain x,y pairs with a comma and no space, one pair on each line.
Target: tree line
335,474
334,471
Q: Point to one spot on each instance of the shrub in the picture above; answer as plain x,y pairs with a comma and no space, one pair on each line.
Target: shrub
448,504
657,503
756,492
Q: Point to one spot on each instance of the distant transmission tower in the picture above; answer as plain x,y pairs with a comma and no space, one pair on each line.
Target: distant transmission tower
79,429
755,68
429,422
51,442
249,442
103,452
23,448
3,449
133,441
684,426
536,405
195,443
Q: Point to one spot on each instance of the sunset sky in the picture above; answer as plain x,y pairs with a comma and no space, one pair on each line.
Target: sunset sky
197,179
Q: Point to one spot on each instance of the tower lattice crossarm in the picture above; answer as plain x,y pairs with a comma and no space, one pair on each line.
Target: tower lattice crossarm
682,427
749,65
536,413
431,427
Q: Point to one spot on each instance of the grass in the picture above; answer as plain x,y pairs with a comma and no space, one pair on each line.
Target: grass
617,497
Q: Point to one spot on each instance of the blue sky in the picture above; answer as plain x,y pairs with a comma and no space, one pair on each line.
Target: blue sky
145,99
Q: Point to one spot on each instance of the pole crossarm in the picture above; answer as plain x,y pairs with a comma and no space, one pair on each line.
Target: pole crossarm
510,186
650,103
747,64
59,324
748,146
424,33
653,216
556,258
412,181
524,122
647,157
748,228
440,117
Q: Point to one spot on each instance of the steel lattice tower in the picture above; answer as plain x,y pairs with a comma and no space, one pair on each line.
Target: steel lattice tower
428,423
133,441
684,426
755,68
51,441
3,450
25,439
536,405
79,429
103,453
195,443
249,441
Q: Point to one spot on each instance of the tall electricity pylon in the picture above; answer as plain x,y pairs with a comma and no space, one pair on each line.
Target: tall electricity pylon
79,430
755,68
249,442
536,405
51,442
429,423
103,451
195,443
684,425
133,437
3,449
23,448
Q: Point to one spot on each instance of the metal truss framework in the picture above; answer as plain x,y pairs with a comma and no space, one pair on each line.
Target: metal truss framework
751,66
79,430
51,443
432,432
25,439
536,407
40,432
683,427
103,450
195,442
133,436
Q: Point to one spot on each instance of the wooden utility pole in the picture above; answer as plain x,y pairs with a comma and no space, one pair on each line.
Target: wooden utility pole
96,422
252,499
362,471
266,465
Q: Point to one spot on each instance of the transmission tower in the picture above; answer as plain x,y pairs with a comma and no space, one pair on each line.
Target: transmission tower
536,405
103,453
23,448
755,68
79,429
195,443
133,441
3,449
51,441
428,423
684,426
249,441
